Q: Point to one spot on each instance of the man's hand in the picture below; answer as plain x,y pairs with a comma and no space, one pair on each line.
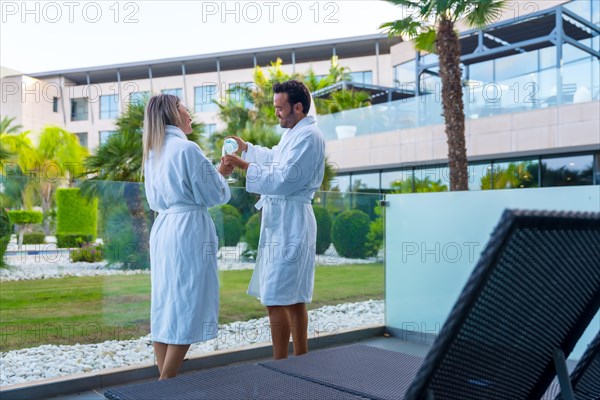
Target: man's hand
242,146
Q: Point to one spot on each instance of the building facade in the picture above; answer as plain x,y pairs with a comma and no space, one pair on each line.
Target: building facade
531,100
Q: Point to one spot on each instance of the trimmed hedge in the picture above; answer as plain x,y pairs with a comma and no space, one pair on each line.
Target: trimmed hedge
23,217
70,240
229,225
34,238
323,229
76,215
350,232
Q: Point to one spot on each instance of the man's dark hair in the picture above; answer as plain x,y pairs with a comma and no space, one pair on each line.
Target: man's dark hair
297,93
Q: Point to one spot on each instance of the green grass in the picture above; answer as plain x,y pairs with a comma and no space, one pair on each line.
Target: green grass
94,309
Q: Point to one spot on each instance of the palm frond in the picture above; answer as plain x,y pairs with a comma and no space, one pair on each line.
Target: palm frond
406,26
426,41
484,12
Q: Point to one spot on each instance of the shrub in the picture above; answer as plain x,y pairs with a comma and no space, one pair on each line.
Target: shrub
6,228
252,235
3,245
75,213
34,238
323,229
72,240
5,232
24,217
122,242
229,225
375,238
88,252
349,234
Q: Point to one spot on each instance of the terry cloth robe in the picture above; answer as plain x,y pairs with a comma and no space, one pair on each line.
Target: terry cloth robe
180,184
287,177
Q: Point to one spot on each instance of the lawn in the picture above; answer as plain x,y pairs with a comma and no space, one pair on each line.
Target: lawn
94,309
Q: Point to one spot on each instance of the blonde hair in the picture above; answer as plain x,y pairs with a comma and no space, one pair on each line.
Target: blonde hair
161,110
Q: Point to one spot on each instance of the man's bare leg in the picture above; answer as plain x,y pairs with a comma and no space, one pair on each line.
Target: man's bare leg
279,319
299,327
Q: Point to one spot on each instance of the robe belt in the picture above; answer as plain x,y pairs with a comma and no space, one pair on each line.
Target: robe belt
300,199
180,209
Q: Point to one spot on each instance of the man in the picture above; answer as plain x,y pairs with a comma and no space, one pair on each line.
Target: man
287,177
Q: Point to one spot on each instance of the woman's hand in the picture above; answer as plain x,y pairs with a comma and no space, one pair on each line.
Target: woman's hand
225,168
232,159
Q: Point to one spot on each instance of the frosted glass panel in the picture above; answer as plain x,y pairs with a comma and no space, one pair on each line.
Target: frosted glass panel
433,241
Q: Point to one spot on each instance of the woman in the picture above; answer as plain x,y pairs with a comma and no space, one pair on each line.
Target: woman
180,184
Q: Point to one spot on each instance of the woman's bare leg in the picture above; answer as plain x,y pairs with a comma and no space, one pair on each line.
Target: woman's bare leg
173,360
160,352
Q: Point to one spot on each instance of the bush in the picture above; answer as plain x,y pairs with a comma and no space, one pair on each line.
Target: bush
23,217
75,215
34,238
6,228
3,245
122,242
252,235
88,252
323,229
229,225
349,234
72,240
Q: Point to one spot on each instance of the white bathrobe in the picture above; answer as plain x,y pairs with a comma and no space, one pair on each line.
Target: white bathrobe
180,185
287,177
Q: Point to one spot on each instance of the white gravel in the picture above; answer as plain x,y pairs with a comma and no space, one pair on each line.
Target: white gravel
58,265
51,361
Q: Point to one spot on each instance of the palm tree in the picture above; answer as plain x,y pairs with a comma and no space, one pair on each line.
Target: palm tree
432,28
43,168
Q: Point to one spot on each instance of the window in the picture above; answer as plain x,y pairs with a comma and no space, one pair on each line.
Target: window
175,92
364,77
55,104
240,93
83,138
514,175
137,98
209,129
340,183
404,75
104,135
109,106
480,176
517,65
79,109
397,181
204,97
432,179
567,171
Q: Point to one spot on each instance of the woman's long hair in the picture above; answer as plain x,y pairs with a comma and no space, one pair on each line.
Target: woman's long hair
161,110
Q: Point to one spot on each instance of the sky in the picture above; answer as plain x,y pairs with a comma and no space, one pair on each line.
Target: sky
41,36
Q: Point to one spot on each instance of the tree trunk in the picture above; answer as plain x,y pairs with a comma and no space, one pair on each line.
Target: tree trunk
448,48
